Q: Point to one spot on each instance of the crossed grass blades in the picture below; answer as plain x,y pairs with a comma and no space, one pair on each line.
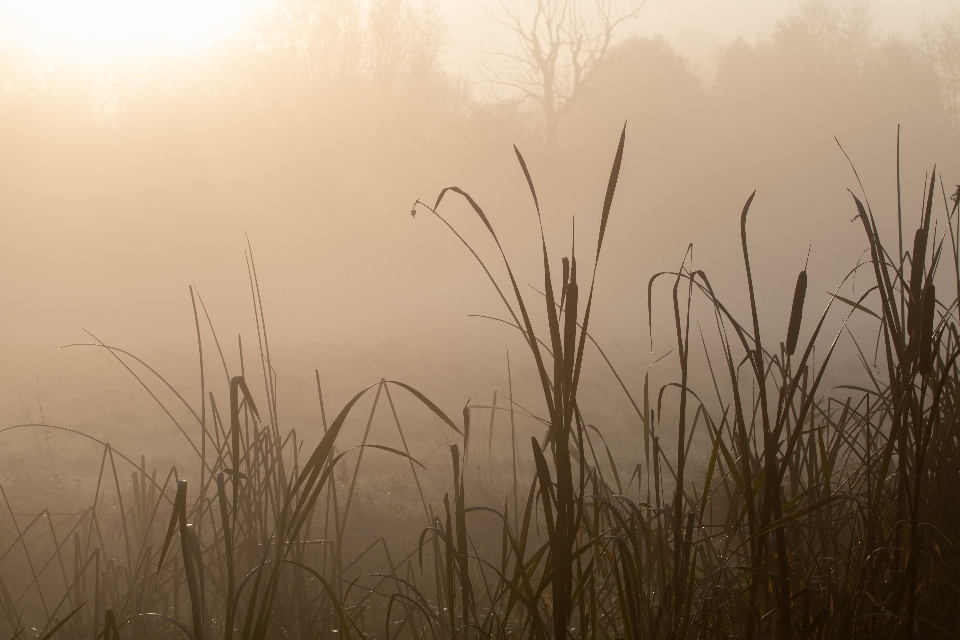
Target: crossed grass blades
813,518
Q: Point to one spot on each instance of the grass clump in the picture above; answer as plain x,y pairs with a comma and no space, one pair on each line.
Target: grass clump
812,518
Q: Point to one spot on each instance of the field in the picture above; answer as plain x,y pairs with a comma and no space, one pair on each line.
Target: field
813,512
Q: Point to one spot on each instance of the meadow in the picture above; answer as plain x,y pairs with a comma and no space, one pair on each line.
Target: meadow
810,512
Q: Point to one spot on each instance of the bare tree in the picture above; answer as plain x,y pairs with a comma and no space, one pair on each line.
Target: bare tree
558,46
311,52
307,47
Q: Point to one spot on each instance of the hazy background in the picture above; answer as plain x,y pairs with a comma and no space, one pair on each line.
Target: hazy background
135,165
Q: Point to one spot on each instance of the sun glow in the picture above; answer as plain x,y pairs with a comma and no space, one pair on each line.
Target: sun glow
108,29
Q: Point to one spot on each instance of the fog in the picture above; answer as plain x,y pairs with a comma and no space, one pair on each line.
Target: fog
306,135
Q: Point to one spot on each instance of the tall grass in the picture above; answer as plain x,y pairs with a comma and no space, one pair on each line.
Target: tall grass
812,517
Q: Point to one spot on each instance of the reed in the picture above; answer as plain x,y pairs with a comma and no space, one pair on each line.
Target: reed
813,516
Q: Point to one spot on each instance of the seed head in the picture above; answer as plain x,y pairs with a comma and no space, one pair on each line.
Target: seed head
796,313
926,329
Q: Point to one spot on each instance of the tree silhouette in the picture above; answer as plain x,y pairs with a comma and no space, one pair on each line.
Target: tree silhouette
940,42
557,47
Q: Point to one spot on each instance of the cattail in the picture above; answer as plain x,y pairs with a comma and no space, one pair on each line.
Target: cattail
926,328
916,279
110,628
796,314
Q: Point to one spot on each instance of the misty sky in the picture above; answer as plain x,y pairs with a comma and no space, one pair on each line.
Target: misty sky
119,190
107,28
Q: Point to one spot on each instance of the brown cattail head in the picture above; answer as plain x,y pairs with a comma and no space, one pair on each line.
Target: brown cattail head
796,313
916,280
926,328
